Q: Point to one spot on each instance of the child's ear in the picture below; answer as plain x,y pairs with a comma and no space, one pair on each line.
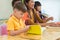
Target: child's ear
15,10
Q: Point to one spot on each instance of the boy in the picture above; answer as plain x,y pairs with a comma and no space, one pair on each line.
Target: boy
15,24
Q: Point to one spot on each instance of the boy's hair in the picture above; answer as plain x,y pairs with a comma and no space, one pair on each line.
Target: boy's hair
20,6
13,2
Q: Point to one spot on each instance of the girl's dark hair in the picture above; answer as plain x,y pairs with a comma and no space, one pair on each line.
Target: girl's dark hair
37,3
26,2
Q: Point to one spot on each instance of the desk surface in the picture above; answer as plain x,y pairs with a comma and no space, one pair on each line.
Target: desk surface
47,35
51,33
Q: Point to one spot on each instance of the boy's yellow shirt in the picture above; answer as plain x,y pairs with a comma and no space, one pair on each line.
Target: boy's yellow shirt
15,24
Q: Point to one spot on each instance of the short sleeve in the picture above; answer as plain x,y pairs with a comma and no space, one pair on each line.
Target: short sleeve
10,25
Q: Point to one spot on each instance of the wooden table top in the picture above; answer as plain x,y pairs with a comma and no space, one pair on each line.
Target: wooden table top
48,34
51,33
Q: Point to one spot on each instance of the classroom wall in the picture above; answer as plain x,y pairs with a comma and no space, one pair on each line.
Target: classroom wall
52,8
5,9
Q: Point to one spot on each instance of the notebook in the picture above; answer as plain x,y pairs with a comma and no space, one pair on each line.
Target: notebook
35,29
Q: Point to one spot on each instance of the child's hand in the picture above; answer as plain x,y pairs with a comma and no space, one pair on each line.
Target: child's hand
58,23
53,25
50,18
27,28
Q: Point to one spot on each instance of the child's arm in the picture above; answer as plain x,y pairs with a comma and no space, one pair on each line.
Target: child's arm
50,18
13,33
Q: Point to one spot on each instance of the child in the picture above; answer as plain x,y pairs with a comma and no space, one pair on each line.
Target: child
37,6
15,24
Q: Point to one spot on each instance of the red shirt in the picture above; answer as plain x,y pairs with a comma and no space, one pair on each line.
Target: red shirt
26,16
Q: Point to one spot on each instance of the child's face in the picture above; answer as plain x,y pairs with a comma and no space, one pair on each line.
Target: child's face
30,4
18,14
38,8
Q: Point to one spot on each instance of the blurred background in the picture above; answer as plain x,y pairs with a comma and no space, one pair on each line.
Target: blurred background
50,7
